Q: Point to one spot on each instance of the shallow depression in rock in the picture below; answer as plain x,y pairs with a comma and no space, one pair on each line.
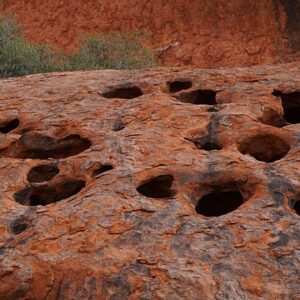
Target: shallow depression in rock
179,85
124,92
199,97
265,147
47,194
38,146
157,187
42,173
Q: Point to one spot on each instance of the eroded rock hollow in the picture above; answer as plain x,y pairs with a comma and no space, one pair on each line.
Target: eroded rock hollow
161,184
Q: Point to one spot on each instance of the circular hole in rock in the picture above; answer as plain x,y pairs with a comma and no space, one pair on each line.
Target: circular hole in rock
47,194
157,187
9,126
179,85
199,97
291,106
124,92
295,205
265,147
42,173
102,169
219,203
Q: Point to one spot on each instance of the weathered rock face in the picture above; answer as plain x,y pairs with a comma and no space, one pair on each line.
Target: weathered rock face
163,184
201,33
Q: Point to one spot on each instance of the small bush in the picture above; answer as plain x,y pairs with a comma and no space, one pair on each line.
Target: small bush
18,57
114,50
103,51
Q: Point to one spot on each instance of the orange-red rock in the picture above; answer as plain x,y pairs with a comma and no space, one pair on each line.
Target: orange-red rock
189,194
201,33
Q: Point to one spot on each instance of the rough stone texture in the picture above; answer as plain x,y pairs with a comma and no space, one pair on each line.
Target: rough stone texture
120,236
204,33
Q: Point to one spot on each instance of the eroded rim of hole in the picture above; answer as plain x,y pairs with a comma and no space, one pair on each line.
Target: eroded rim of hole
219,202
124,92
42,173
265,147
291,105
157,187
48,194
8,126
179,85
199,97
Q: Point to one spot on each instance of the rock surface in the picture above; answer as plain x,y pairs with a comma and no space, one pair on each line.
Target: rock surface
203,33
160,184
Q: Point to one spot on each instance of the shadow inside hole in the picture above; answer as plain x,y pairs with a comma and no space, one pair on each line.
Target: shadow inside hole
207,143
38,146
19,226
179,85
9,126
157,187
210,146
265,147
295,205
124,92
42,173
219,203
102,169
44,195
291,106
118,125
199,97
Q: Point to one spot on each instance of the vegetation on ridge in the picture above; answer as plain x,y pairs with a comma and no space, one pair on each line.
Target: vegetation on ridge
114,50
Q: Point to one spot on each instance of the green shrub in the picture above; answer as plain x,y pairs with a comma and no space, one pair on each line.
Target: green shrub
18,57
114,50
103,51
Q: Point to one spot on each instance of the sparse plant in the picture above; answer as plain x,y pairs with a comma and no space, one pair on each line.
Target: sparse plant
113,50
19,57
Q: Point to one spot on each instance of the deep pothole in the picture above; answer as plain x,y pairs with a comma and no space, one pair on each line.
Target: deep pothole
179,85
265,147
42,173
38,146
8,126
218,203
47,194
157,187
128,92
291,106
198,97
295,205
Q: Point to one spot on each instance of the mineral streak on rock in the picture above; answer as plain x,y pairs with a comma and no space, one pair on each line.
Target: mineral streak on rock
111,192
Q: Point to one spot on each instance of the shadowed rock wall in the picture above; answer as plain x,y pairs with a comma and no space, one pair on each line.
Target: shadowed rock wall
206,33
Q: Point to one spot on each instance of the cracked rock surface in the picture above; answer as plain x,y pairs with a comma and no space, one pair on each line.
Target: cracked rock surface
157,184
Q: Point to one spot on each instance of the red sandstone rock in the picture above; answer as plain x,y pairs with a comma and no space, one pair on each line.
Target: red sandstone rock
154,197
201,33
